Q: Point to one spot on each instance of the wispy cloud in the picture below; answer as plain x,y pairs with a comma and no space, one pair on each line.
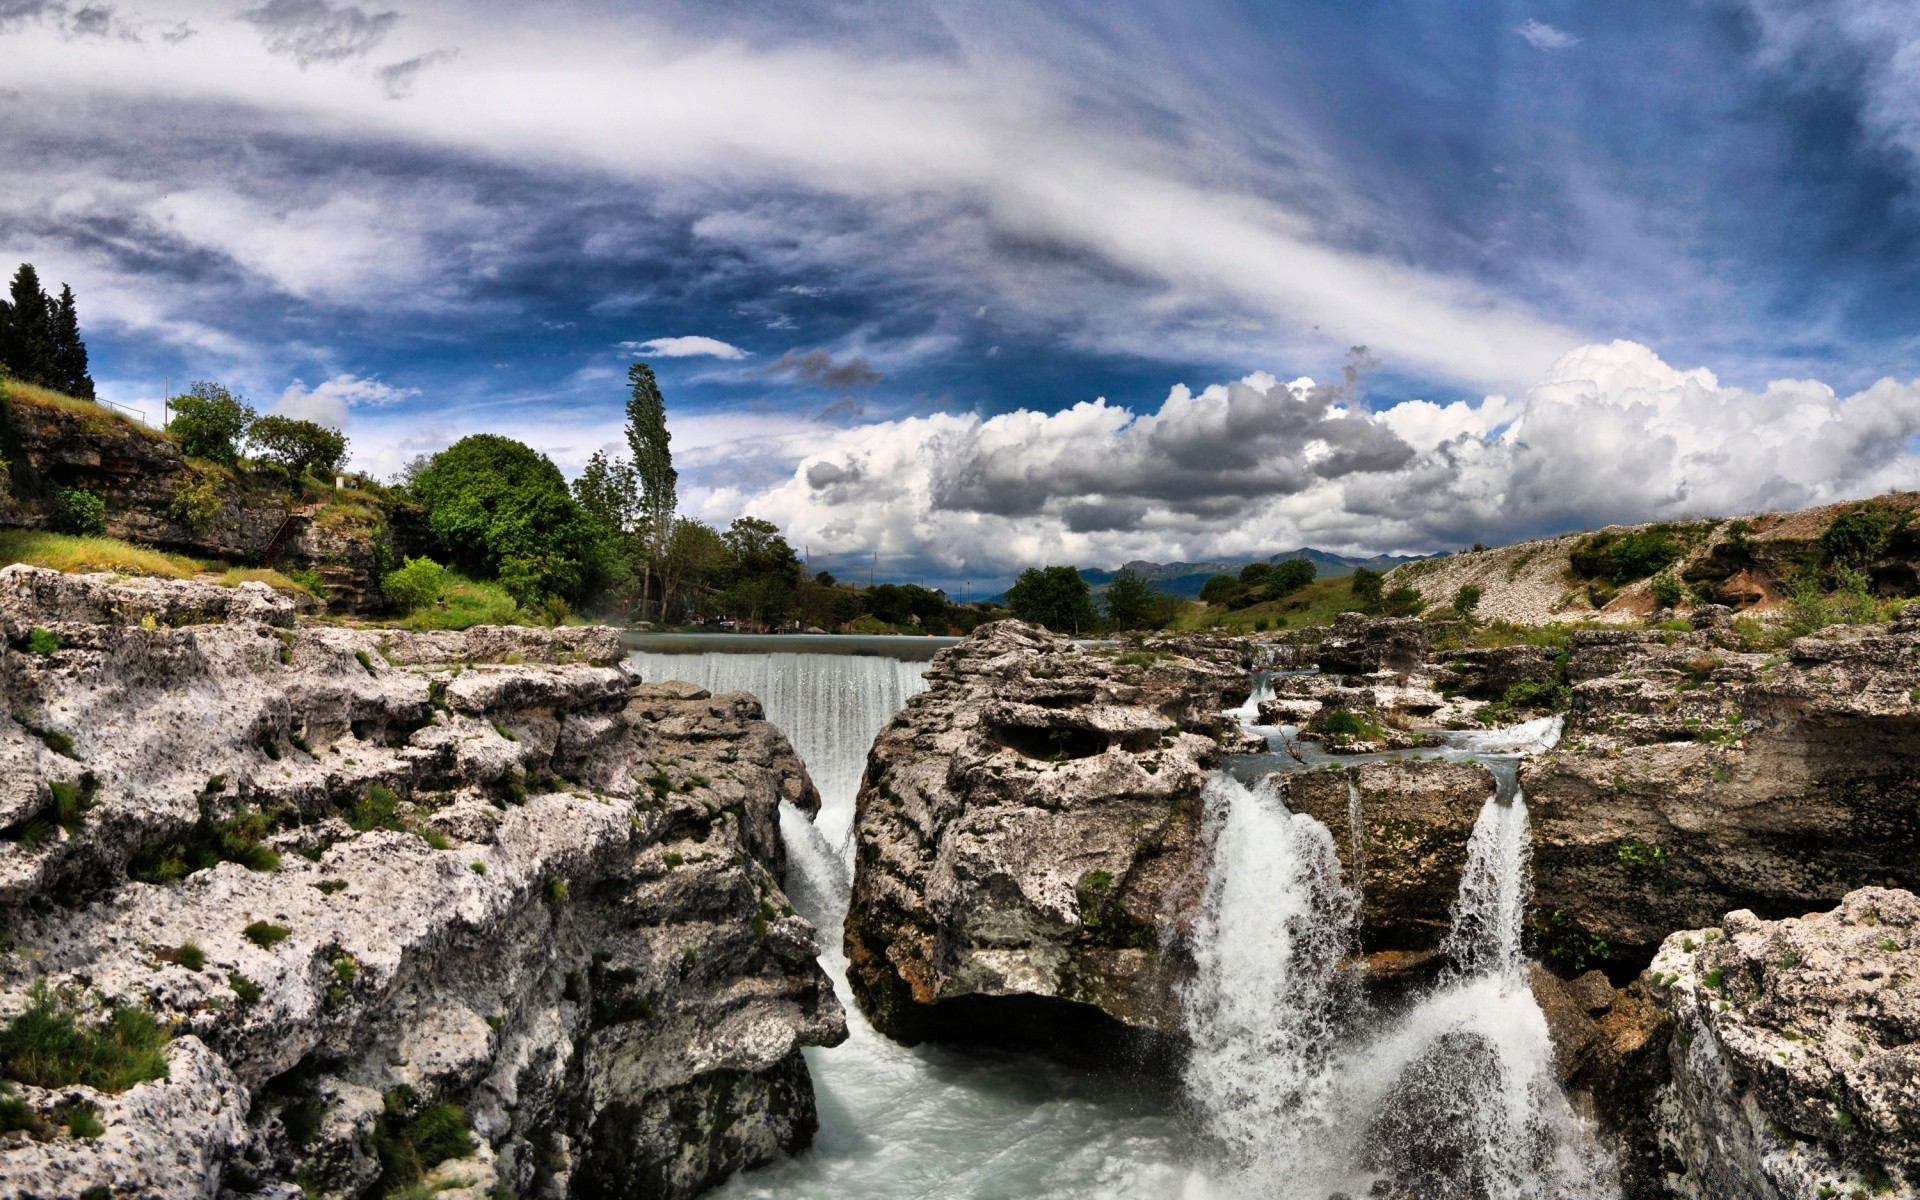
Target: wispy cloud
692,346
820,368
315,31
1542,36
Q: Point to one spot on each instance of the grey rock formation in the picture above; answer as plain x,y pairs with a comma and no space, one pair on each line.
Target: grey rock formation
1029,840
1795,1055
511,878
1692,781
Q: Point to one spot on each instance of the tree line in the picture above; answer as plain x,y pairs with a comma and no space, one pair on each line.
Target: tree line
40,337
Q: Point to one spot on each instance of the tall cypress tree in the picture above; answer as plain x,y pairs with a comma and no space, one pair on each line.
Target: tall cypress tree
70,353
30,344
647,436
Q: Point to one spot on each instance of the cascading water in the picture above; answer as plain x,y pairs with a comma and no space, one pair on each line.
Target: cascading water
1296,1096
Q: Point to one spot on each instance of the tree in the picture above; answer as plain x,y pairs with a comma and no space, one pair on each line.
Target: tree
649,440
766,571
297,447
1366,587
1130,600
1055,597
609,491
416,584
1466,599
1290,575
696,561
1403,602
1219,590
1255,573
501,508
69,362
210,422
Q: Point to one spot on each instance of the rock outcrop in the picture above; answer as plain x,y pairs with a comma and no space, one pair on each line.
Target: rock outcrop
1694,780
1795,1054
1029,841
481,905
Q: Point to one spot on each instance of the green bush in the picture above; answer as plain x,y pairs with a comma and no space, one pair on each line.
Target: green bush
190,956
377,808
502,508
83,1121
415,585
245,989
46,1046
79,512
1466,598
1403,601
1621,558
1054,597
1856,538
408,1148
1667,592
197,497
15,1113
210,422
42,641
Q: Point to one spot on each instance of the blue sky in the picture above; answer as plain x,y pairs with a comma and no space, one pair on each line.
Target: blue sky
997,284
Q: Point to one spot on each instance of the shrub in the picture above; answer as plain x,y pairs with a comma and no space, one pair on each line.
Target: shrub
377,808
297,447
240,839
265,934
15,1113
1290,575
1466,599
1667,592
79,512
1621,558
42,641
210,422
1857,538
46,1046
196,498
408,1148
246,989
190,956
416,584
502,508
83,1121
1366,587
1219,590
1403,601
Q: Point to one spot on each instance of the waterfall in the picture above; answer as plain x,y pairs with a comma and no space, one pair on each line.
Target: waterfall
1489,914
1260,688
1274,924
830,706
1356,840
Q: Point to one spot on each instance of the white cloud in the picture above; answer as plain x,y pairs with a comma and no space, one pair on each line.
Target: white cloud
328,404
1872,45
1542,36
1610,433
686,347
989,150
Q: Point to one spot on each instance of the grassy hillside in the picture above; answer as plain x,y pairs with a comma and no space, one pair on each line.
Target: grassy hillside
1316,604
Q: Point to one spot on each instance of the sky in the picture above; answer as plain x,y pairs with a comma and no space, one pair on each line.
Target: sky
951,289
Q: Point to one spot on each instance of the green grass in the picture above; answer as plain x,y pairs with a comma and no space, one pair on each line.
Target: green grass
246,989
464,603
95,414
83,1121
241,839
47,1046
190,956
72,555
265,934
43,642
409,1147
235,576
1318,603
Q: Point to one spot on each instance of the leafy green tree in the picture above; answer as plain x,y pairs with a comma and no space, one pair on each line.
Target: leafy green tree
1366,587
1221,589
500,508
1255,573
1290,575
649,440
1403,601
766,571
696,562
1055,597
1856,538
1466,598
609,491
211,422
1130,600
416,584
297,447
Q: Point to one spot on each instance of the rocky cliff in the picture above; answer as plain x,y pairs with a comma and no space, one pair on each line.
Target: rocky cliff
1795,1054
478,910
1028,832
1693,780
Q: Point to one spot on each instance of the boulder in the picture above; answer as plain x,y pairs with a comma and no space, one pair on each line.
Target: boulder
1362,645
1795,1054
1028,842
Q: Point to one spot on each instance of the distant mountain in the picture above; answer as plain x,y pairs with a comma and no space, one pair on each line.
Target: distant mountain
1186,578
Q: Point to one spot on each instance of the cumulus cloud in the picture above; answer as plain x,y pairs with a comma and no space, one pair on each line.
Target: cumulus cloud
819,368
686,347
328,404
1542,36
314,31
1611,433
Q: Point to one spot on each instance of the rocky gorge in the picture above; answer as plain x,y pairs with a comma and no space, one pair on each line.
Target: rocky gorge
478,913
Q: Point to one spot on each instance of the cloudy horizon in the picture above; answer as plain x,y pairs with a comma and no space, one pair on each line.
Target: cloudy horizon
961,289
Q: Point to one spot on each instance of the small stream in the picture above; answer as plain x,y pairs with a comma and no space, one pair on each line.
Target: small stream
1295,1089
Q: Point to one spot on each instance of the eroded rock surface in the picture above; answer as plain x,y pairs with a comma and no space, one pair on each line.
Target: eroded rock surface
1795,1055
1694,780
510,878
1029,851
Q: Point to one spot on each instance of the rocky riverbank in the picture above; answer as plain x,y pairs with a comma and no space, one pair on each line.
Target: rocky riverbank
478,911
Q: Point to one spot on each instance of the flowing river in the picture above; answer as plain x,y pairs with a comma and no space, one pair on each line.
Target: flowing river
1295,1089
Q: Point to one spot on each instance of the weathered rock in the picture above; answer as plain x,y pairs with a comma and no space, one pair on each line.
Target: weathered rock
1795,1056
1362,645
511,879
1028,841
1488,673
1696,781
1414,821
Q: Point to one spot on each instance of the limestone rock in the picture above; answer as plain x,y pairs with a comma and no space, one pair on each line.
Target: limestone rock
1028,838
1795,1056
508,879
